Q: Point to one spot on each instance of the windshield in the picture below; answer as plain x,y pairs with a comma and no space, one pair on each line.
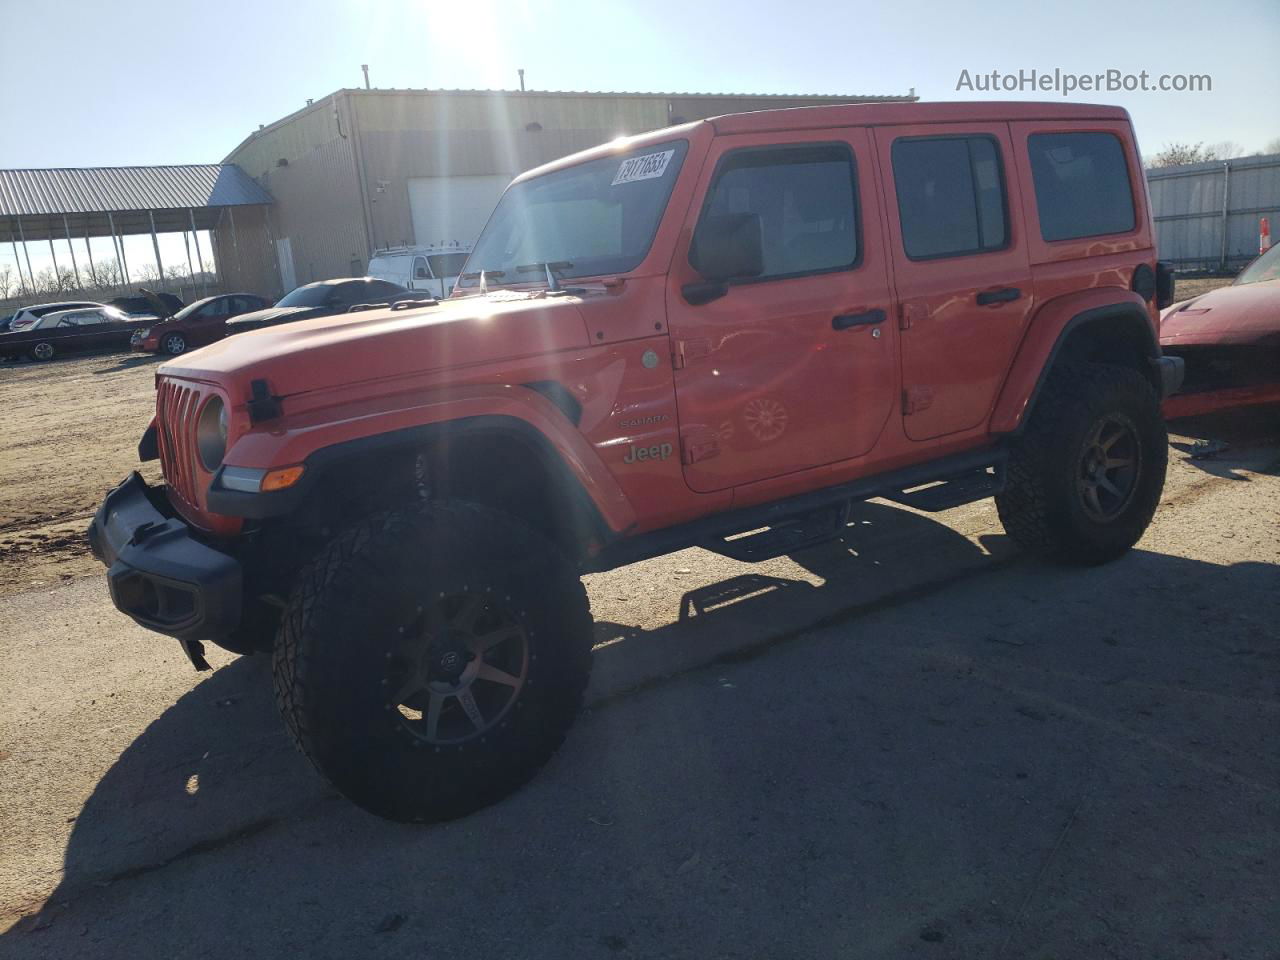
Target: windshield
1266,267
312,295
596,217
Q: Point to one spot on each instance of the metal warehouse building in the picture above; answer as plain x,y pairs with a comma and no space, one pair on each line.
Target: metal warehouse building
365,169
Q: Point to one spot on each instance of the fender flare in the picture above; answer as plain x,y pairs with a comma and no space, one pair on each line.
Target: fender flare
321,445
1051,328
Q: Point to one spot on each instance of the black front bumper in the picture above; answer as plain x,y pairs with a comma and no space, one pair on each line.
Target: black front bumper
159,573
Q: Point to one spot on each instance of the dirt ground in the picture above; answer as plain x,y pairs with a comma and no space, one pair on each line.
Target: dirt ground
71,431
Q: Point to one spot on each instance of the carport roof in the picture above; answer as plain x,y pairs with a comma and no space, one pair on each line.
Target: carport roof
91,197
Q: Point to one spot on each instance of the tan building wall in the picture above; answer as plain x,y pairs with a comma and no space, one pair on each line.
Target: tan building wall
339,170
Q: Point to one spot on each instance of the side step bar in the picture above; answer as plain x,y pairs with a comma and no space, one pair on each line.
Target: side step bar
753,534
788,536
950,492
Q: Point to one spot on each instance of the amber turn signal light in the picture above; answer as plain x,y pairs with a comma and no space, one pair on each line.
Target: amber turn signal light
282,478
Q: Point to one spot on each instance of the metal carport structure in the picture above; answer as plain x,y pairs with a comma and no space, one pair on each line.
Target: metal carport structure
77,204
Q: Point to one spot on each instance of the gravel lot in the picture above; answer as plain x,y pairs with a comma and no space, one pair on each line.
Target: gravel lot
916,742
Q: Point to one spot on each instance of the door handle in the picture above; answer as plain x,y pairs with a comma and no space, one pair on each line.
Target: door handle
844,321
1004,295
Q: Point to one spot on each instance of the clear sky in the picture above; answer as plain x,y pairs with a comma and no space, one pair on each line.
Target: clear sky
88,83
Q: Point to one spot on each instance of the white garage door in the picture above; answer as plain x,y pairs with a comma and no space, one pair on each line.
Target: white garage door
446,209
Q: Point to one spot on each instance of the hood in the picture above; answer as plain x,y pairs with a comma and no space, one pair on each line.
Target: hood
1248,314
268,317
325,352
161,308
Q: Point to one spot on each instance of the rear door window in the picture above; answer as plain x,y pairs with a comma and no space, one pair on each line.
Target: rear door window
951,196
805,199
1082,185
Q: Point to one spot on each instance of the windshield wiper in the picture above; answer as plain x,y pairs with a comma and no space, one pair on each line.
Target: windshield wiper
549,267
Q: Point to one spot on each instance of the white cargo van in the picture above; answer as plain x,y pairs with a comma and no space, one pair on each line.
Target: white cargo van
433,268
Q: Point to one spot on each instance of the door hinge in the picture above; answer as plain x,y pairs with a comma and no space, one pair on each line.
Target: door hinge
915,399
700,448
911,312
687,350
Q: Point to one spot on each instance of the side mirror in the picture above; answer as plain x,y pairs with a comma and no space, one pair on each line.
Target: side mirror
725,247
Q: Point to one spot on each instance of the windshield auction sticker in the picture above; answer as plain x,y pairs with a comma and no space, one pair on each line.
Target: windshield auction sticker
648,167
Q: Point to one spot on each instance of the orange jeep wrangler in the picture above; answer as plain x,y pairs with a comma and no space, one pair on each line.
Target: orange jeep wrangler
736,326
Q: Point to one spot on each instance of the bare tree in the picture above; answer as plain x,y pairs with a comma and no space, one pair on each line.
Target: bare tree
1273,146
66,280
8,282
45,282
108,272
1177,154
1223,150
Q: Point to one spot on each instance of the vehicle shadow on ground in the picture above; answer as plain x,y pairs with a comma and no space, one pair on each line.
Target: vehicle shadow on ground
1220,443
218,763
128,363
215,768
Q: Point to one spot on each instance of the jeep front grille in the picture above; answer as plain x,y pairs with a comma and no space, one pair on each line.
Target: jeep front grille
176,409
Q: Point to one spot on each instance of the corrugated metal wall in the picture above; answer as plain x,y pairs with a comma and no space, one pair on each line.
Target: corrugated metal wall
1187,203
317,200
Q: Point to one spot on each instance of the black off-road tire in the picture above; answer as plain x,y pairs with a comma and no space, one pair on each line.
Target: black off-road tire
341,652
1042,507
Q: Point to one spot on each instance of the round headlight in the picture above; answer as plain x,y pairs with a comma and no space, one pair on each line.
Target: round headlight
211,434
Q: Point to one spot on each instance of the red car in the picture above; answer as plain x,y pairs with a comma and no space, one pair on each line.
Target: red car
193,326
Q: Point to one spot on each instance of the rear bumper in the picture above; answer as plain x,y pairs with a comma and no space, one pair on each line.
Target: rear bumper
159,573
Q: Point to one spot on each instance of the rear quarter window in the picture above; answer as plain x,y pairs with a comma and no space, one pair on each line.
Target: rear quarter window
1082,185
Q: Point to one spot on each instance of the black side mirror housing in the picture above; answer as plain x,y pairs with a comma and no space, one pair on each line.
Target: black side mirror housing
725,247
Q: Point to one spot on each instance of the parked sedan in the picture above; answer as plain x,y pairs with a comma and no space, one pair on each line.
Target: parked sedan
193,326
321,299
67,331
